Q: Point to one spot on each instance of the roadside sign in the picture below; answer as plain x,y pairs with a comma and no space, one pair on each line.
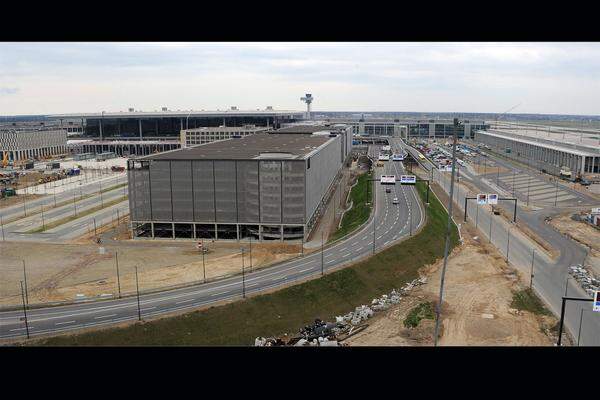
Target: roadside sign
482,199
408,179
492,198
388,179
597,301
596,210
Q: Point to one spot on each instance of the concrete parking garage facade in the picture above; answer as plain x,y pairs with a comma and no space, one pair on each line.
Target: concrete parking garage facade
265,186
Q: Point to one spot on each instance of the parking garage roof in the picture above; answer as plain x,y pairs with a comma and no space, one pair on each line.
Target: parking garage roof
252,147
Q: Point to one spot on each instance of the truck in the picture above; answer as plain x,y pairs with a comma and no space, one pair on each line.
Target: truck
116,168
565,172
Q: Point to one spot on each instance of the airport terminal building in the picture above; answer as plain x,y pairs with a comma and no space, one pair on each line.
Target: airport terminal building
269,186
168,123
542,153
32,143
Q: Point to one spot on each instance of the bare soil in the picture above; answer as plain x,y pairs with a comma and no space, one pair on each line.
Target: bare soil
582,233
59,272
476,310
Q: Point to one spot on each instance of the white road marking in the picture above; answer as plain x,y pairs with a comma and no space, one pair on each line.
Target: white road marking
184,301
218,294
64,323
106,316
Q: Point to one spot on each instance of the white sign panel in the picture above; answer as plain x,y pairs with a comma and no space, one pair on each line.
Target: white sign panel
408,179
597,301
388,179
482,199
492,198
596,210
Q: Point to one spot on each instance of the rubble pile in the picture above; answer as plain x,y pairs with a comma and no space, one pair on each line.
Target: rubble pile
585,279
321,333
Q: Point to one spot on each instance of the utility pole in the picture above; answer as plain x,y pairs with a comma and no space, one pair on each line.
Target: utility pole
250,253
243,277
556,193
491,222
528,185
137,289
580,322
373,231
203,263
95,226
322,255
448,231
531,274
24,310
25,279
2,225
74,205
43,223
118,278
508,242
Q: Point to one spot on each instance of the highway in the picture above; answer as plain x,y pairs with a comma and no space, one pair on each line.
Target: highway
550,276
70,203
392,223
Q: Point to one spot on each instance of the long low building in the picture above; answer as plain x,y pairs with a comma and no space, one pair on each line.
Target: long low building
169,123
407,128
32,143
542,153
267,186
191,137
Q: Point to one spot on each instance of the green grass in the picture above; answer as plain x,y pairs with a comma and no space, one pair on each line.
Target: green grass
89,211
287,310
360,211
422,311
527,300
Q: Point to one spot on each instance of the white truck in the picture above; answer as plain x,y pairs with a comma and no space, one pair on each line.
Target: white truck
565,172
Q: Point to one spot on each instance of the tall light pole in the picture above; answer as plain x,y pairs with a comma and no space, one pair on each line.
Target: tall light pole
118,277
448,232
203,263
322,256
24,310
531,274
243,276
25,279
137,289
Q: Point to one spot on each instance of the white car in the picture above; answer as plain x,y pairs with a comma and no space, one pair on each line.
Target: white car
395,201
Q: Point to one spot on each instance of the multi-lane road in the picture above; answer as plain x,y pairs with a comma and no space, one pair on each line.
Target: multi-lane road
392,222
71,205
550,275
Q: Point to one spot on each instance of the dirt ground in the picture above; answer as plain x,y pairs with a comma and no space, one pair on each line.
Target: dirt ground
487,169
583,233
12,200
476,310
58,272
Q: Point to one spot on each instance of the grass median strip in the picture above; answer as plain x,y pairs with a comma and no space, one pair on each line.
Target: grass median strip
288,309
360,211
83,213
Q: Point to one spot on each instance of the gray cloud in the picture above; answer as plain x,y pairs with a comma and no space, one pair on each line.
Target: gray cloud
484,77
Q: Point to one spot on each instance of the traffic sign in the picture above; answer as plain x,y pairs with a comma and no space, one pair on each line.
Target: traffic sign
388,179
408,179
492,198
597,301
482,199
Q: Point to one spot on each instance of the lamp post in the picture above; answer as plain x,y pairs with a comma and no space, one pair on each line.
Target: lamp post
203,263
137,289
531,274
322,255
243,276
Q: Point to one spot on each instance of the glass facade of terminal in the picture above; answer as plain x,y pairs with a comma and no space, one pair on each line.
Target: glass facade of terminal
169,126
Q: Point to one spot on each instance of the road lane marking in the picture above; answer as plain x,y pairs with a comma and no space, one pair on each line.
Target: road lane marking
105,316
64,323
184,301
220,293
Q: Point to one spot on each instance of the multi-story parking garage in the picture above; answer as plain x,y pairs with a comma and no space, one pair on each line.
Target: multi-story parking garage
542,153
32,143
267,186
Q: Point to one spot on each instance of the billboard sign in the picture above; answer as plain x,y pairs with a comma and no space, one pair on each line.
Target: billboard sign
597,301
492,198
408,179
482,199
388,179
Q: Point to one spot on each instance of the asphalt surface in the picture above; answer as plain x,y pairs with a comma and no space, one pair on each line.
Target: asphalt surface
392,223
28,215
550,276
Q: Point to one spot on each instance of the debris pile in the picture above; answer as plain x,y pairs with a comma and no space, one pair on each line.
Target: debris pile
584,277
321,333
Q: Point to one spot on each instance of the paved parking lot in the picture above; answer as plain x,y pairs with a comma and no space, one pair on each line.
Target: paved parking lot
538,190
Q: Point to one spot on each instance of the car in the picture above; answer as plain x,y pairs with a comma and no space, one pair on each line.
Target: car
388,190
395,201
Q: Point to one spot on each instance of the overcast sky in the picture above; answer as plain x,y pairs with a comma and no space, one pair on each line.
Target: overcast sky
549,78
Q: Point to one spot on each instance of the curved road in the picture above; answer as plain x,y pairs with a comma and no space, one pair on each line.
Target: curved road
392,223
